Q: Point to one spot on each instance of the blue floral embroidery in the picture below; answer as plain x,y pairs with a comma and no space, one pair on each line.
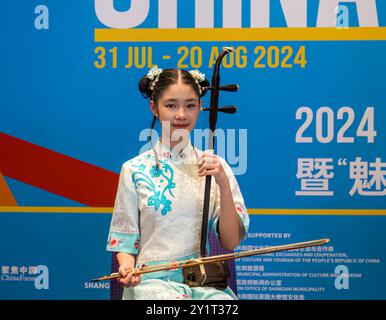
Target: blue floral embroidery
158,198
141,167
167,205
154,172
155,200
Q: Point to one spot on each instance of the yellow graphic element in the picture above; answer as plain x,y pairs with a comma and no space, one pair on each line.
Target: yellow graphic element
322,212
240,34
57,209
297,212
6,196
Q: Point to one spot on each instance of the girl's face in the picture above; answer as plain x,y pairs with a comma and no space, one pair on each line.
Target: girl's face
178,108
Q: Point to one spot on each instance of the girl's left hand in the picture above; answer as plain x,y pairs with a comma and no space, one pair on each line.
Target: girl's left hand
210,164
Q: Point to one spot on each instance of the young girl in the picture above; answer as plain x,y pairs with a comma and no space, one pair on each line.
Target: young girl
158,206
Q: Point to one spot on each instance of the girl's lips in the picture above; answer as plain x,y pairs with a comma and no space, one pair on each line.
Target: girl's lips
180,126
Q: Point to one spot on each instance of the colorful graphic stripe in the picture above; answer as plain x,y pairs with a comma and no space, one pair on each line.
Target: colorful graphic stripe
294,212
57,173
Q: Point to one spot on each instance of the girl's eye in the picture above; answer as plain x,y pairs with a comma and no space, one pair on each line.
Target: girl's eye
191,106
171,106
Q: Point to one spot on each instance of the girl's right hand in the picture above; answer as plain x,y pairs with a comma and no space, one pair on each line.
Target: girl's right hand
127,279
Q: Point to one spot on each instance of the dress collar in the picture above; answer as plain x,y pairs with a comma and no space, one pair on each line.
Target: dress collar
186,154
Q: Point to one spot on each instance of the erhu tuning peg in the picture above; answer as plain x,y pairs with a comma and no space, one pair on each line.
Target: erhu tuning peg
228,87
227,109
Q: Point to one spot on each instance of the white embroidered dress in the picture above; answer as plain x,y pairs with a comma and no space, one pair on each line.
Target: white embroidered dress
157,213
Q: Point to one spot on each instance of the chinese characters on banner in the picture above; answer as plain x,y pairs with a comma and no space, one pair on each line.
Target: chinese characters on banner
315,175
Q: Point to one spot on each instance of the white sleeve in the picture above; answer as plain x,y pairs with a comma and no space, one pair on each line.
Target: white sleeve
124,234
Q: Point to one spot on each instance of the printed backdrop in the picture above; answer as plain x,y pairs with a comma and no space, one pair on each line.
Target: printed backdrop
309,135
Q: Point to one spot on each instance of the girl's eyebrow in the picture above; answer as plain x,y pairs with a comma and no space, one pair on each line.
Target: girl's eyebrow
187,100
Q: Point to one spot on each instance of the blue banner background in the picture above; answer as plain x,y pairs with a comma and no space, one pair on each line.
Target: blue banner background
52,95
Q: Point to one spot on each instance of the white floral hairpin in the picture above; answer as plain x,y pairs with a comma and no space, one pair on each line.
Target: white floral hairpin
198,77
153,75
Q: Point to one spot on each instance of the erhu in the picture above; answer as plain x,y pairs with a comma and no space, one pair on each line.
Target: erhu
214,273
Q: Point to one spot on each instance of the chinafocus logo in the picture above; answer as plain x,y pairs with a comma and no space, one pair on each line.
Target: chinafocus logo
38,275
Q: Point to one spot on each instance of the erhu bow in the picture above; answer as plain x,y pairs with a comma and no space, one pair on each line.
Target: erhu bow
205,260
223,257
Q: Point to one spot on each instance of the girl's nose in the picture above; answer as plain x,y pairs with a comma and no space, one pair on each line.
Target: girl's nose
181,113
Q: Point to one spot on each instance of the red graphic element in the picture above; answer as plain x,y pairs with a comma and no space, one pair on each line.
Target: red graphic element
113,242
57,173
185,296
136,244
239,209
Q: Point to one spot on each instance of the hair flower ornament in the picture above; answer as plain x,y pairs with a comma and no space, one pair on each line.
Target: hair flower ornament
154,72
153,75
198,77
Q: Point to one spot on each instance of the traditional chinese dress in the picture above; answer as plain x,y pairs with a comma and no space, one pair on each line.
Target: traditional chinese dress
157,216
